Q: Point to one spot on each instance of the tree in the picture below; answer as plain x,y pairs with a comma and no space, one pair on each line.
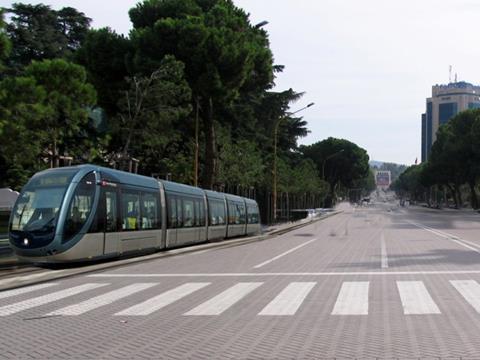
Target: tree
37,32
21,112
222,52
106,55
150,114
5,46
68,98
339,162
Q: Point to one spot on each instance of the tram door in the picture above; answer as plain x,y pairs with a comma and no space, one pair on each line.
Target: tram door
111,238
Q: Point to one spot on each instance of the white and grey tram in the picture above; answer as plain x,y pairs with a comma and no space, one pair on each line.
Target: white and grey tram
87,212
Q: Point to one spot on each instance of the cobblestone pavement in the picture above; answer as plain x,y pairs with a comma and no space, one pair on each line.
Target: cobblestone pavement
369,283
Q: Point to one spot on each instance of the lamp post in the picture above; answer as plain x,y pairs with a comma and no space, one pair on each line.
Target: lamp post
328,158
275,158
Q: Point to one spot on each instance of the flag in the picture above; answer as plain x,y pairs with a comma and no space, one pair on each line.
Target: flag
416,161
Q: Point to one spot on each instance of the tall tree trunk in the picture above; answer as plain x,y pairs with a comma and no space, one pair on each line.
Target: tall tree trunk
210,147
474,197
454,195
459,196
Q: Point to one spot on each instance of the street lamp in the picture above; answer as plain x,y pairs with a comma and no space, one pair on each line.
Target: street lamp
261,24
275,158
328,158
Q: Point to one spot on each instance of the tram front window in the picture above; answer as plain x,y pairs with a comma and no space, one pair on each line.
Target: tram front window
36,212
80,207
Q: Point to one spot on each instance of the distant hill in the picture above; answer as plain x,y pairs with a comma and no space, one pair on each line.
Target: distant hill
375,163
395,169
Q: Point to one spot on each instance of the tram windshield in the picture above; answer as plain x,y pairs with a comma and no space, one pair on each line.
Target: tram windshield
37,208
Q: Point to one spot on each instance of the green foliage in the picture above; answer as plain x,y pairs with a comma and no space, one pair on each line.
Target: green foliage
152,112
46,112
37,32
106,56
338,161
224,56
5,45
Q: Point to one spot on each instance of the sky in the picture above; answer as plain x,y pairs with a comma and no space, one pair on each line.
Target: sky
367,65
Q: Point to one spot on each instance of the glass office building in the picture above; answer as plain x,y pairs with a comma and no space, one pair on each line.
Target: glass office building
446,102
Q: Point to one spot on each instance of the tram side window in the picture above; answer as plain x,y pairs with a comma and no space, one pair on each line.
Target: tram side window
253,217
242,216
131,211
217,212
110,211
188,212
180,216
172,211
149,211
197,212
233,214
201,212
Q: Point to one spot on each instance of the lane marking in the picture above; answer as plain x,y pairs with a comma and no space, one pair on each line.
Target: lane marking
283,254
470,290
289,300
352,298
384,261
447,236
224,300
347,273
28,277
45,299
416,299
24,290
158,302
101,300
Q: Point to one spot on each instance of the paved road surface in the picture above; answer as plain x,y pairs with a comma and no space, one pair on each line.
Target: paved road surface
367,283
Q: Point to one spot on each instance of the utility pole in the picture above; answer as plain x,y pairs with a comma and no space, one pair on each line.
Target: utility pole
275,135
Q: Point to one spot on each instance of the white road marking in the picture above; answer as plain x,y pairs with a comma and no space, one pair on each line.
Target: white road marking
158,302
384,262
224,300
101,300
45,299
283,254
346,273
28,277
447,236
470,290
416,299
352,299
24,290
289,300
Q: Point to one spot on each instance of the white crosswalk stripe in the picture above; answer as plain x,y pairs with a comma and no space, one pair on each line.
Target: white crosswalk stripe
101,300
224,300
45,299
470,290
24,290
416,299
352,299
289,300
156,303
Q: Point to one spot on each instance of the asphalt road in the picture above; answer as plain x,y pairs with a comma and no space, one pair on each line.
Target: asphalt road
368,283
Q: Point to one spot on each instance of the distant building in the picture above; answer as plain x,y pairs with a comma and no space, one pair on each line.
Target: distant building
383,179
446,102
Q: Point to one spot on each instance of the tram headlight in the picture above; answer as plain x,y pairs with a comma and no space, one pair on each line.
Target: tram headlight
26,242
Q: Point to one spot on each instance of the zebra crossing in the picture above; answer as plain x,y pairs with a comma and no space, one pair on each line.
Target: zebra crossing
352,298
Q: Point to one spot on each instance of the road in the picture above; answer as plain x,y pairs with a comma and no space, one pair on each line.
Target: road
367,283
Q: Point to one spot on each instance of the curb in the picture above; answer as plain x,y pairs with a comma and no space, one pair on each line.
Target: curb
20,281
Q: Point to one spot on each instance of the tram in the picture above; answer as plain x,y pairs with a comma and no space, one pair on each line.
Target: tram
84,213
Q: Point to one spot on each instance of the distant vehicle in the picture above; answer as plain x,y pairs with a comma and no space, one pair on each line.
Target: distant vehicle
88,212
